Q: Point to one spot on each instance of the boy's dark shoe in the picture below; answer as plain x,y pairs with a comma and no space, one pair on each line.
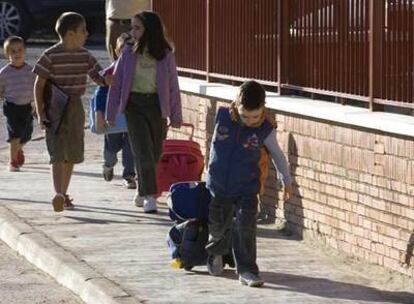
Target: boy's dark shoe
215,265
108,173
20,158
228,259
130,183
250,279
58,201
68,205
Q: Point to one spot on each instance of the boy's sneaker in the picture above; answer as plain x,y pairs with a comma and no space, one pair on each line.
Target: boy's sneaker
215,265
58,201
68,205
108,173
138,200
130,183
20,158
250,279
14,166
150,204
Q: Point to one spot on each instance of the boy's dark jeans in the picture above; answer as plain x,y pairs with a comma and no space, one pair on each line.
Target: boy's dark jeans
241,234
147,130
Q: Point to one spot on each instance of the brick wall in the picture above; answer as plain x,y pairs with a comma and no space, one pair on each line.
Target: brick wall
354,187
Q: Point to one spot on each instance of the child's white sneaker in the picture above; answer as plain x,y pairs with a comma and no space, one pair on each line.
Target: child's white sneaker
138,201
250,279
150,204
215,265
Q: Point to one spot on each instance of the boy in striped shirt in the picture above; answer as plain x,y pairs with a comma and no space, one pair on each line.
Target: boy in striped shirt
16,89
67,64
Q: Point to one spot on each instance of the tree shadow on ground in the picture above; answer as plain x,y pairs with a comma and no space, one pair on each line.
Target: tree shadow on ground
11,199
161,211
88,220
322,288
269,232
327,288
162,216
46,170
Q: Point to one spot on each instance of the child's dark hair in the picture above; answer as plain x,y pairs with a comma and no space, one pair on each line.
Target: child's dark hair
251,95
68,21
154,36
9,41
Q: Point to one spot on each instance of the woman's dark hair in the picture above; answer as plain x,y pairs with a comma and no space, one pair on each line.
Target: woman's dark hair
154,37
251,95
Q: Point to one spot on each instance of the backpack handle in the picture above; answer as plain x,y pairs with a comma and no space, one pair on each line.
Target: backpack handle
187,124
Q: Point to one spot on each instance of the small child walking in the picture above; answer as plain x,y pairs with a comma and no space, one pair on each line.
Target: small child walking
116,139
146,89
67,64
240,134
16,89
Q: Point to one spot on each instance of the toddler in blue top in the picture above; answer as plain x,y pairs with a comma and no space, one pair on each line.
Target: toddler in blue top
116,138
240,134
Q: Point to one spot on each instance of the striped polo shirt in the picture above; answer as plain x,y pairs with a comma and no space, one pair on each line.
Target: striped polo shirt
16,84
68,69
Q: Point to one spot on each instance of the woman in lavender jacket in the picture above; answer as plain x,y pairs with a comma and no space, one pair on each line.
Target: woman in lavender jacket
146,89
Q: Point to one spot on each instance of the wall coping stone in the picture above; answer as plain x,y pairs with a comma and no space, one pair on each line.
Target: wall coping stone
344,114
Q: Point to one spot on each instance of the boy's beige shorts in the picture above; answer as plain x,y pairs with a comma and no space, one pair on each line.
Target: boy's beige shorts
68,144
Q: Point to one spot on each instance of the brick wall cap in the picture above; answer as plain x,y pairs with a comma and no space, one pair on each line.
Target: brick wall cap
354,116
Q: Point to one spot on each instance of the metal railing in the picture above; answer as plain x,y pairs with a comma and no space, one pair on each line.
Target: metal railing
354,49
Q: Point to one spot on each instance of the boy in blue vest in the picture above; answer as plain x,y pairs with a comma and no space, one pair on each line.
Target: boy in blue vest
240,134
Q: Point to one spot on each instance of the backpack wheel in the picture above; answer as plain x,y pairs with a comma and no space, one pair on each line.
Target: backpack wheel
188,268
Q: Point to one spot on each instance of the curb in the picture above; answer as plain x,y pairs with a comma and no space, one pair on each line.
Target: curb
59,263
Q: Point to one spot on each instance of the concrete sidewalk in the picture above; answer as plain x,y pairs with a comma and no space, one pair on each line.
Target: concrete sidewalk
109,251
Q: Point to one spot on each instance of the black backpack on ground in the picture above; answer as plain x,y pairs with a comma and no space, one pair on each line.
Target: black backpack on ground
187,238
187,242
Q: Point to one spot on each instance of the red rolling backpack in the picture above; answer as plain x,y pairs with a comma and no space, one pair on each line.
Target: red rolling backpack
181,161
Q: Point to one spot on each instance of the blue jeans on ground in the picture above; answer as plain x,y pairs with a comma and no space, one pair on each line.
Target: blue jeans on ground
241,233
115,143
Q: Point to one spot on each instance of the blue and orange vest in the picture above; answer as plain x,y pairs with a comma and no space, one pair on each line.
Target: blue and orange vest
235,154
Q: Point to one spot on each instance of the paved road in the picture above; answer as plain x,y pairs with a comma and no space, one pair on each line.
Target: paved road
21,283
112,248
